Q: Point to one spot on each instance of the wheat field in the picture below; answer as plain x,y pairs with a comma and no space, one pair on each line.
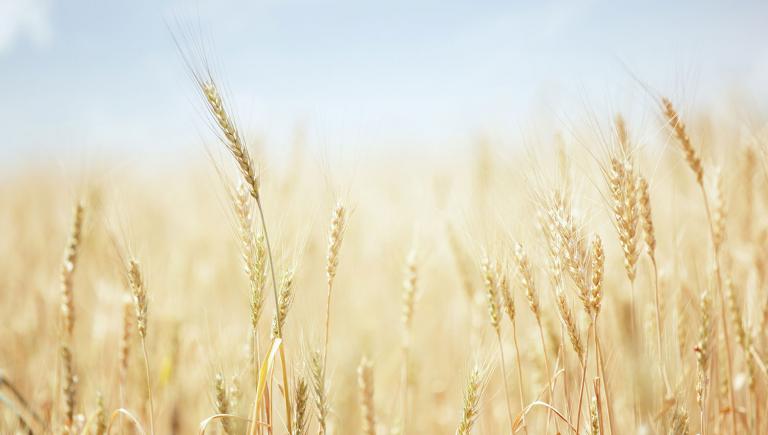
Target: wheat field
608,280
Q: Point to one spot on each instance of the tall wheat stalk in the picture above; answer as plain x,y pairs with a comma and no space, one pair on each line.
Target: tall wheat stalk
141,302
716,229
490,279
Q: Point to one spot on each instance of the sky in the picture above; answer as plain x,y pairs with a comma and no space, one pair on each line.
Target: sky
104,78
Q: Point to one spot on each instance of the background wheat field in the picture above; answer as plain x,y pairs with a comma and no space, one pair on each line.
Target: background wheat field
602,270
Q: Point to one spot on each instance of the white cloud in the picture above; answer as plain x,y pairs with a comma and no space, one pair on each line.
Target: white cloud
21,19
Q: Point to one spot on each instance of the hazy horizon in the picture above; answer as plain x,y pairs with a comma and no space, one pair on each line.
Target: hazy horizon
106,79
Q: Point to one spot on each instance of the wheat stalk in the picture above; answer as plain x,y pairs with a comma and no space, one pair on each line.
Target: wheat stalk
491,281
141,303
335,237
525,276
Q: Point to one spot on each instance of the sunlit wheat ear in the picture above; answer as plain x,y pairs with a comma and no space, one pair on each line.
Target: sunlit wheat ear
566,316
703,347
300,398
222,402
230,136
594,426
568,245
472,394
139,293
367,407
525,275
679,424
649,234
718,212
489,269
678,127
598,269
317,372
284,303
335,237
254,252
624,192
68,270
68,387
507,300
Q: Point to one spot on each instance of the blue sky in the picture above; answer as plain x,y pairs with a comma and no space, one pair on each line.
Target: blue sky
103,77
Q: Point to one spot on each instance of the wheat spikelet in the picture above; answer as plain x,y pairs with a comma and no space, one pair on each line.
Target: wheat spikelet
335,237
317,371
566,315
231,137
492,293
703,347
68,270
365,383
139,297
508,302
68,388
718,212
472,395
301,396
645,216
733,307
139,291
570,244
254,253
679,424
284,303
691,156
594,426
222,402
526,280
623,182
598,269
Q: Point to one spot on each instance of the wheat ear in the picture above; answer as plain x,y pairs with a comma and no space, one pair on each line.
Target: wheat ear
141,302
67,273
472,395
365,384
